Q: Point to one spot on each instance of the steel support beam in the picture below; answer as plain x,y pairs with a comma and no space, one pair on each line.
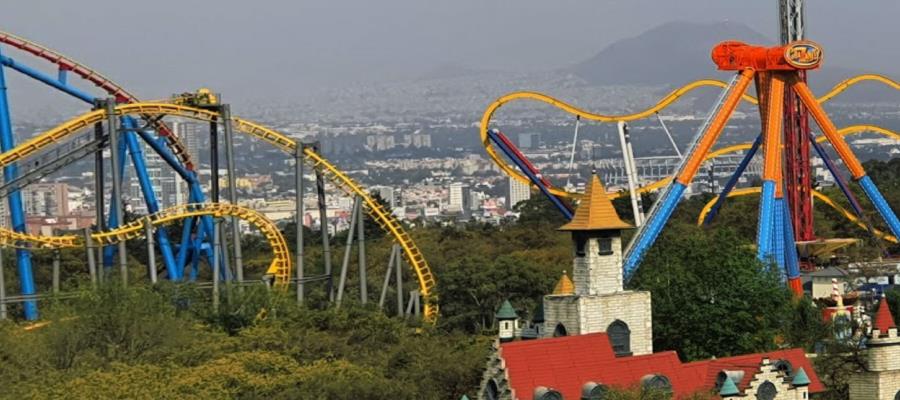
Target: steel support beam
17,212
232,190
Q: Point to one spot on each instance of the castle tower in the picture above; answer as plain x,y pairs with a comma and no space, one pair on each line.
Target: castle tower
508,321
594,300
881,380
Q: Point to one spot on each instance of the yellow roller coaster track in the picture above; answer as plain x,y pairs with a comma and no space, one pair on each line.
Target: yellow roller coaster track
280,268
816,194
113,89
426,279
660,105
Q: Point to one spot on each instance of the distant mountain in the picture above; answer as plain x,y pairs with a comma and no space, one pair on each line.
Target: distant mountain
672,53
676,53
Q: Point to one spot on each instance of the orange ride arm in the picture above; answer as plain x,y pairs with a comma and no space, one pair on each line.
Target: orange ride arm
818,113
715,128
773,126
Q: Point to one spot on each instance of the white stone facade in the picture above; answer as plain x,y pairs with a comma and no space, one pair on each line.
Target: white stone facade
594,273
882,378
599,299
785,390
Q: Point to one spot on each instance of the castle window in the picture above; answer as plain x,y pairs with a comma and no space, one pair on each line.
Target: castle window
784,367
897,396
560,330
544,393
605,246
491,391
580,244
656,383
620,337
593,391
766,391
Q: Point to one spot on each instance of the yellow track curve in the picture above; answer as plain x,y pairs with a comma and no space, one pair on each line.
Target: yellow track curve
818,195
426,279
280,268
661,104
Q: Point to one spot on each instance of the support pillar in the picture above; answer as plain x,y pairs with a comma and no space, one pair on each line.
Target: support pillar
387,277
323,225
398,270
116,204
347,249
17,213
151,255
215,270
232,190
298,173
99,180
2,287
55,271
92,263
363,279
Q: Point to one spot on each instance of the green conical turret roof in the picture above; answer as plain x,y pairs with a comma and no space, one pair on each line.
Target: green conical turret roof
728,388
506,311
464,397
800,378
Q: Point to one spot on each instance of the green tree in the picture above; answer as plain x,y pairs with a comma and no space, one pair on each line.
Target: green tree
711,297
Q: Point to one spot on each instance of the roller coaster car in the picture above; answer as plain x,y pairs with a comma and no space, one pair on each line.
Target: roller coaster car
203,97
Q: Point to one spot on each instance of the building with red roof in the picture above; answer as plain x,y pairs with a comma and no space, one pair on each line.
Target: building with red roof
592,335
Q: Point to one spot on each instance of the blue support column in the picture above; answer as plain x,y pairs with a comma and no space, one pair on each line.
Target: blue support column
766,222
60,83
777,246
791,259
881,204
653,226
732,182
17,213
140,168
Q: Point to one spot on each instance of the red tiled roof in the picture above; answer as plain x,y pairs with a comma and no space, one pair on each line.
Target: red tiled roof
567,363
883,318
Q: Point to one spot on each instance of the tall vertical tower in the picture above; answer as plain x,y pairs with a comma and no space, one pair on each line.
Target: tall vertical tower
595,300
881,379
797,172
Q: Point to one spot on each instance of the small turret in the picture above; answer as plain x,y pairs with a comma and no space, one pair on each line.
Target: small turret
507,319
729,389
800,378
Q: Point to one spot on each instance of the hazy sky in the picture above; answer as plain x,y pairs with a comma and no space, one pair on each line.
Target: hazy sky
248,49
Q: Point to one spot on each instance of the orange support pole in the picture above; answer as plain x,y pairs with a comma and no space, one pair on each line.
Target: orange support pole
828,128
712,133
774,117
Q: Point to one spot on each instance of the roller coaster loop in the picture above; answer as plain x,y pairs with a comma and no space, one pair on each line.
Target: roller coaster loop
385,219
280,268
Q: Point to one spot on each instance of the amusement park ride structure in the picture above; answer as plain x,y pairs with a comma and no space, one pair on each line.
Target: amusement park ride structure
117,124
784,98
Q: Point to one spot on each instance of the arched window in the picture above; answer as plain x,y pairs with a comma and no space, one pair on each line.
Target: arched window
656,383
544,393
897,396
560,330
766,391
491,391
593,391
784,367
620,337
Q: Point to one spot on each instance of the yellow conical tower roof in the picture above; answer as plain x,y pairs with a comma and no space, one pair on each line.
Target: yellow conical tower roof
595,212
564,286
